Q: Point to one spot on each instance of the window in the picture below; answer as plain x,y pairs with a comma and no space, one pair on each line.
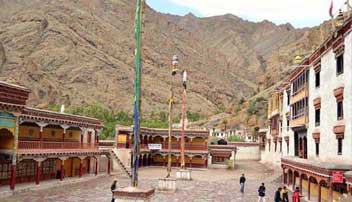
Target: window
275,146
339,146
280,147
269,145
288,124
339,64
288,147
288,97
317,117
317,148
339,110
317,79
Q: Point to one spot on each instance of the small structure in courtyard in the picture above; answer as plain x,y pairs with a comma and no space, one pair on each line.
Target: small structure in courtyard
222,156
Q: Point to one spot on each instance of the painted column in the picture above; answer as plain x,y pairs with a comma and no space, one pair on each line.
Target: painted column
109,164
293,181
190,161
38,172
130,141
80,167
319,192
308,189
96,165
41,125
62,169
300,184
330,192
65,127
14,156
88,163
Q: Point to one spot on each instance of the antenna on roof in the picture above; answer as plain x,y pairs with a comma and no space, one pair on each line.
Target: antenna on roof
62,109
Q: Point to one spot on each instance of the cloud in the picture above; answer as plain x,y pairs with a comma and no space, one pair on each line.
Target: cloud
298,12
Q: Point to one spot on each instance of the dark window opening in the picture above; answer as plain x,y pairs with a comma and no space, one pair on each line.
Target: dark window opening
339,110
275,146
339,146
317,148
317,79
288,147
280,147
339,64
287,124
317,117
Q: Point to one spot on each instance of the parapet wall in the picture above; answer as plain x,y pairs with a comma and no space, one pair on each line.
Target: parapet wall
247,151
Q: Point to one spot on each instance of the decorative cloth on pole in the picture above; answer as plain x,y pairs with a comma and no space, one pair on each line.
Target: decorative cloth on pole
137,89
331,9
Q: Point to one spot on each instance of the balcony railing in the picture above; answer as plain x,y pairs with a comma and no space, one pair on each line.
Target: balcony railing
31,145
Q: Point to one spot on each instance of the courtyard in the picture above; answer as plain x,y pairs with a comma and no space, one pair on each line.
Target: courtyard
217,185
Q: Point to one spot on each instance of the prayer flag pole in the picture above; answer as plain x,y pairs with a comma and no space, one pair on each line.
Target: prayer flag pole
137,92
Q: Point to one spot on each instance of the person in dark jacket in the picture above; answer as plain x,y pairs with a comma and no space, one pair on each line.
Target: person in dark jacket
242,181
113,187
261,193
277,197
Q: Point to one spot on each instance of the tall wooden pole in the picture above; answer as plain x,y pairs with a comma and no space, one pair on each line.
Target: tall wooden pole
183,120
137,91
171,101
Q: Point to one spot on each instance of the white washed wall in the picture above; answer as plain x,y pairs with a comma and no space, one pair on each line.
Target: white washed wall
328,112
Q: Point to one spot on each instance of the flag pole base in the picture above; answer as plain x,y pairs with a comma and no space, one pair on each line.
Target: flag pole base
184,174
167,185
132,194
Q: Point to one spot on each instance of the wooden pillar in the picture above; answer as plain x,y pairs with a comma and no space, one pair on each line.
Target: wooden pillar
96,166
14,157
330,192
72,159
319,192
165,162
109,165
80,167
308,189
283,176
300,184
62,170
88,165
190,162
293,181
13,177
129,141
38,172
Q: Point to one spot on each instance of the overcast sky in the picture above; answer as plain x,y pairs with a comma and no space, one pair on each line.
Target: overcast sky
300,13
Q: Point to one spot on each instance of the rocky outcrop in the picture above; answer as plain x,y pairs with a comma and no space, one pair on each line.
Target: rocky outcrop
82,52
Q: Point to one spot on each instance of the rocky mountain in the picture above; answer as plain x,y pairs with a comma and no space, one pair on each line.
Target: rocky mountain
78,52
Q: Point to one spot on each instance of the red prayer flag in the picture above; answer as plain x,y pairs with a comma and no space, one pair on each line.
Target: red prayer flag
331,8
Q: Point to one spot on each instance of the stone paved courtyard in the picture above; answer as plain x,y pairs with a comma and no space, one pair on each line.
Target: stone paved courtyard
217,185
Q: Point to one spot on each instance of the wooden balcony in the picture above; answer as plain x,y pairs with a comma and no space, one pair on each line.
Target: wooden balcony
36,146
299,95
177,146
298,122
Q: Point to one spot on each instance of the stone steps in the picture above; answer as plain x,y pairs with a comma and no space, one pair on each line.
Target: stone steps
122,166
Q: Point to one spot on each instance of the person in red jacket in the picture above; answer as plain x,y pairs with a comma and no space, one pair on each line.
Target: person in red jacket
296,196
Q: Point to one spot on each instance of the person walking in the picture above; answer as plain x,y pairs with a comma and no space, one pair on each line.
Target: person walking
242,182
261,193
113,187
284,194
296,196
277,197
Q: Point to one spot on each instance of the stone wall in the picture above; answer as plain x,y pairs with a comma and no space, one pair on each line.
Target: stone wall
247,151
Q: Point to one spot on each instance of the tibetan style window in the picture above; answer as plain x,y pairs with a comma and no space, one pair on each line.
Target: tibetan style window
317,79
288,147
339,146
339,64
317,148
287,124
299,108
317,117
288,97
340,110
280,146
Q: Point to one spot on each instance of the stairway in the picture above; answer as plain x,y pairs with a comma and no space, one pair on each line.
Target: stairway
113,153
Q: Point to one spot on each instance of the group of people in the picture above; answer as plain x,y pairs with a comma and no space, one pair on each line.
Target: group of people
281,195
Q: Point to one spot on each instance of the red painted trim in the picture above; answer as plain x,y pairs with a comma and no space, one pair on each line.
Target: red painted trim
13,177
62,172
37,173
